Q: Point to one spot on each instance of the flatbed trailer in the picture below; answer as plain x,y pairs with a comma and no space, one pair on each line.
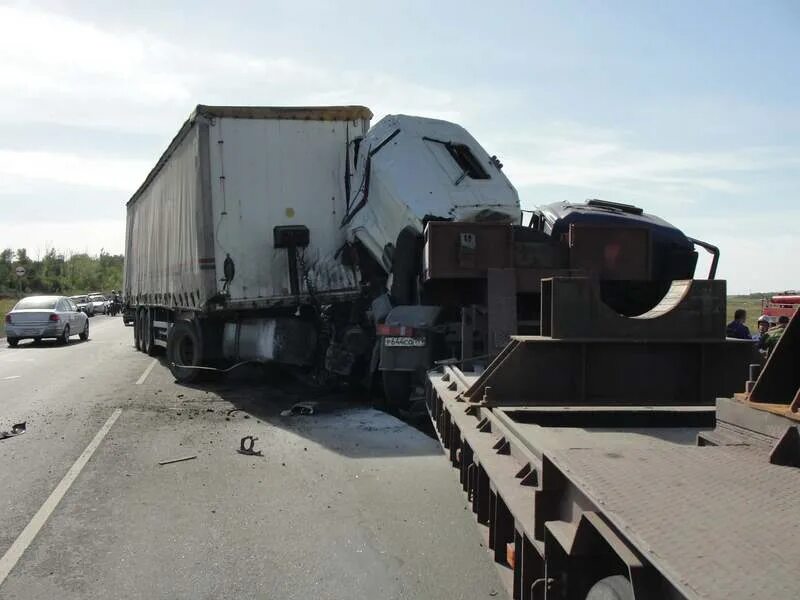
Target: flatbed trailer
586,499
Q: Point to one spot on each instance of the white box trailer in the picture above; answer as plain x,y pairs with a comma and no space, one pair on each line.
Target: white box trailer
241,214
227,180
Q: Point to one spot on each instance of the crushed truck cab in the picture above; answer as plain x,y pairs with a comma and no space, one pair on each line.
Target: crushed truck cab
411,170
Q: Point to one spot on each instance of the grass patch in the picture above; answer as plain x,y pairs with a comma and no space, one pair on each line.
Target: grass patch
751,305
6,304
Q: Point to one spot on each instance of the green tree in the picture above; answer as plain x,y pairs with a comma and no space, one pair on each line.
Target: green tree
55,273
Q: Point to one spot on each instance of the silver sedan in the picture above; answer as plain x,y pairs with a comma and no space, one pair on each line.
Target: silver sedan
40,317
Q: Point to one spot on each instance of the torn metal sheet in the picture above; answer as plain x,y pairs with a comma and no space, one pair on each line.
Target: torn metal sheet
301,408
247,446
15,430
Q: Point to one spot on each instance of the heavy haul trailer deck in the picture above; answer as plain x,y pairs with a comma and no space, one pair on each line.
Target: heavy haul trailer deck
655,500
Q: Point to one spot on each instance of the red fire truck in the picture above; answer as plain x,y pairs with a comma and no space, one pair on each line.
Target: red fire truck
780,305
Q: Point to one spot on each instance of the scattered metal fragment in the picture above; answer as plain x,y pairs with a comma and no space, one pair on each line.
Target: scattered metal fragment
300,408
16,429
174,460
233,410
246,446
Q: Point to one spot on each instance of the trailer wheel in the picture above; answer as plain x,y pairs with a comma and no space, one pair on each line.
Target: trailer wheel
397,388
145,331
616,587
149,334
137,329
184,349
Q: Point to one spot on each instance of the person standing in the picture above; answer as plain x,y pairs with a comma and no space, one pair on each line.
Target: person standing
774,334
736,328
760,337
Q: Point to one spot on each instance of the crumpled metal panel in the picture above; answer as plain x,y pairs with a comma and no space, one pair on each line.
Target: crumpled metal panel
411,176
328,273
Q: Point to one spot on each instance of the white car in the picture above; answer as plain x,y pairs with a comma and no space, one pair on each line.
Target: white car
38,317
84,304
100,303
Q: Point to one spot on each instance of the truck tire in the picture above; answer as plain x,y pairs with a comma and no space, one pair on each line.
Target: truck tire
184,348
397,389
85,334
616,587
144,329
136,341
149,337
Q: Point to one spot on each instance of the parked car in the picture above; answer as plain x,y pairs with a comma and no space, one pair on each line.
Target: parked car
84,304
40,317
100,303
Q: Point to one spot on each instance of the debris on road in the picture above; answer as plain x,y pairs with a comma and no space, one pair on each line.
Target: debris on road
175,460
301,408
246,446
16,429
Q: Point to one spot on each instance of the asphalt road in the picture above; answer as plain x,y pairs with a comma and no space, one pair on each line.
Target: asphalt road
346,503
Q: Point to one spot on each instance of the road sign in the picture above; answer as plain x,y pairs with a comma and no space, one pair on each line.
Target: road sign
20,271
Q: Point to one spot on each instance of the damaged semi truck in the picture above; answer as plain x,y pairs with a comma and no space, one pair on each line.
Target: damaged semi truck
305,237
270,234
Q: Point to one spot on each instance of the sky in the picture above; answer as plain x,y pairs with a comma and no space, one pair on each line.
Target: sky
688,109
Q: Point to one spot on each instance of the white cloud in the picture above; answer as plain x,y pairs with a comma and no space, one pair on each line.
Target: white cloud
60,70
89,236
607,161
54,68
90,171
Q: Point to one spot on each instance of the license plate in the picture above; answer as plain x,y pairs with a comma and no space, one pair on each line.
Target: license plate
404,342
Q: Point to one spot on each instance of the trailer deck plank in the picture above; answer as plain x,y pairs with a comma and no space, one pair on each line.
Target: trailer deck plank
719,522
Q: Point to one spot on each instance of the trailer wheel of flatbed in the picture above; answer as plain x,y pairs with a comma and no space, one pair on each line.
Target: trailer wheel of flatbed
616,587
184,349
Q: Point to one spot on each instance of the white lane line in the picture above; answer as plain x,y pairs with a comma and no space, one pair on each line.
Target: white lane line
28,534
149,368
10,377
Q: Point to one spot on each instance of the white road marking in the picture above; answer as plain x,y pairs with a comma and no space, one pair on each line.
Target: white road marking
13,554
10,377
149,368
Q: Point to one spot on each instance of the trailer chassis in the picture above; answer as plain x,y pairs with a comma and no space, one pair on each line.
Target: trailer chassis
663,500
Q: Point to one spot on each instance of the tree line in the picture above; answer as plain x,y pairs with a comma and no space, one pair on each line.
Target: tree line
57,273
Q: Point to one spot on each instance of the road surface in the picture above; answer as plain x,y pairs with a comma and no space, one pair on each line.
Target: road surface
346,503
